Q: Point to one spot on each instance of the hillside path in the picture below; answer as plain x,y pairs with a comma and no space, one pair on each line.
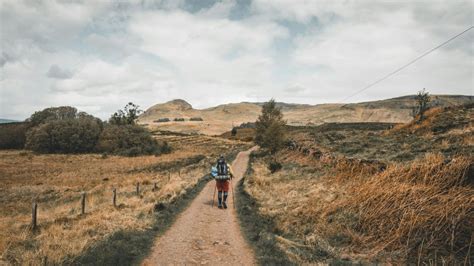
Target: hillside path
206,235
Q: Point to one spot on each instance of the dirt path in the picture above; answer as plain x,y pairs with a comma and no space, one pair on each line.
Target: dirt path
203,235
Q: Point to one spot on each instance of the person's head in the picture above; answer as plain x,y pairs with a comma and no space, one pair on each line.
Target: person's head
221,158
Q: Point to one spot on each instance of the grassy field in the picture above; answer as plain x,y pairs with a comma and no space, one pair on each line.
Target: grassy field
335,201
56,182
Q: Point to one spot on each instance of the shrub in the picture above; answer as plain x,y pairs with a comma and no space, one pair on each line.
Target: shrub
247,125
179,119
65,136
233,132
164,148
162,120
274,166
129,140
13,135
196,119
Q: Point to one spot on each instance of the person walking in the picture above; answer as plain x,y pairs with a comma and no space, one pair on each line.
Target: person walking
222,172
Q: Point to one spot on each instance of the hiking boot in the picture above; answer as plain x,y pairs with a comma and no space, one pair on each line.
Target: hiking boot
225,205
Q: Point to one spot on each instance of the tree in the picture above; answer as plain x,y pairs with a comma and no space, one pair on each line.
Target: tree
422,100
127,116
77,135
233,132
52,114
270,127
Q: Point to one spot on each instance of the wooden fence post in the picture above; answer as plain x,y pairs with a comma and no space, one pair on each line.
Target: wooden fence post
169,176
34,213
83,203
155,187
114,198
138,188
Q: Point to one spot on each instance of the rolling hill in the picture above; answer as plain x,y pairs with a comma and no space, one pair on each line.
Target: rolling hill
4,121
219,119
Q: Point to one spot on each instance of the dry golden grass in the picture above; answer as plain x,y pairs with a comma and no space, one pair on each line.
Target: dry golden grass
243,134
56,183
414,125
348,209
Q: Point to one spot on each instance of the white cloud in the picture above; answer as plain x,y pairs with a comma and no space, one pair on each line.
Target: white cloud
211,57
358,50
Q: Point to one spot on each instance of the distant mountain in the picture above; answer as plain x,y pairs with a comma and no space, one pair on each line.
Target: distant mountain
4,121
219,119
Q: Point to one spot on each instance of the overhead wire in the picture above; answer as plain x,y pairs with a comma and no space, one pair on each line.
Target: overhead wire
407,64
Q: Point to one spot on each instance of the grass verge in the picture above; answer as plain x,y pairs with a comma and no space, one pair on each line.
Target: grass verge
258,229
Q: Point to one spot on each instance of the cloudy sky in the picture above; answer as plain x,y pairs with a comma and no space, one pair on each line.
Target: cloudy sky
99,55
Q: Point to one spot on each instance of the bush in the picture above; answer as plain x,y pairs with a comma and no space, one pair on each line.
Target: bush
162,120
13,135
179,119
274,166
164,148
65,136
247,125
129,140
196,119
62,130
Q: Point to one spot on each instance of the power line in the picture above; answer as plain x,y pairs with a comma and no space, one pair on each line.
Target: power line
408,64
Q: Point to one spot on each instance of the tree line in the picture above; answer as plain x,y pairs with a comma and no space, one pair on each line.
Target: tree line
65,130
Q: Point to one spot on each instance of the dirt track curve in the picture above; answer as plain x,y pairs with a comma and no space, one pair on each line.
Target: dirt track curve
205,235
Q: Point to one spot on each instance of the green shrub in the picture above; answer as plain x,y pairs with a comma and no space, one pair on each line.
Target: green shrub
129,140
65,136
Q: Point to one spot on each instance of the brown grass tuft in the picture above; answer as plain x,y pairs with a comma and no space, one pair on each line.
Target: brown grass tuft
421,209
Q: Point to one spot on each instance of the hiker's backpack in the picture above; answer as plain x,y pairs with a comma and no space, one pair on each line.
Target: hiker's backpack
222,170
213,171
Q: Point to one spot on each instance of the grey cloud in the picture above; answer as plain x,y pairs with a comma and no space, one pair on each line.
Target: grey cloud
5,58
57,72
